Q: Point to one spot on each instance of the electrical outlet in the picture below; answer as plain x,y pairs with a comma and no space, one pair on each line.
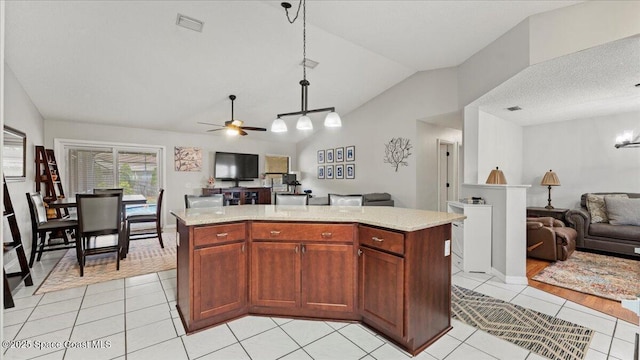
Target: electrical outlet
447,247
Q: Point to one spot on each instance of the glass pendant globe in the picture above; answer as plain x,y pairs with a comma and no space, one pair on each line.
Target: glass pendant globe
332,120
304,123
233,132
278,126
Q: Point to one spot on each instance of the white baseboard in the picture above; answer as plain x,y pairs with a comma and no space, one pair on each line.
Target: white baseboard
516,280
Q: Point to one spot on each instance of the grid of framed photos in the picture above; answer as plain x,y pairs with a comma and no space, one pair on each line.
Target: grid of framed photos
338,163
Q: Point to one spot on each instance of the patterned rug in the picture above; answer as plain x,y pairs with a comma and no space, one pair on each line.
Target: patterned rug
145,256
605,276
545,335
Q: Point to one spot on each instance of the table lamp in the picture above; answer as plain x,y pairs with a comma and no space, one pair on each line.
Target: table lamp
496,176
550,179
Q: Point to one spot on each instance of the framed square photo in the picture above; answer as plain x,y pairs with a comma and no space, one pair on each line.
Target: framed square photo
340,154
329,173
321,172
320,156
329,158
340,171
350,169
351,153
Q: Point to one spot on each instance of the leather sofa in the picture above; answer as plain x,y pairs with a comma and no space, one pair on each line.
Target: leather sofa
549,239
615,239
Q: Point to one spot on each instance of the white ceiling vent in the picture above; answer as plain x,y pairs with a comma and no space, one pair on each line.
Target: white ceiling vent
189,23
310,63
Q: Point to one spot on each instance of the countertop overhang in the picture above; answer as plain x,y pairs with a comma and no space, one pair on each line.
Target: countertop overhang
402,219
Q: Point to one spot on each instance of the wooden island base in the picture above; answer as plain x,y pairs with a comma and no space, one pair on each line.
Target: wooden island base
398,283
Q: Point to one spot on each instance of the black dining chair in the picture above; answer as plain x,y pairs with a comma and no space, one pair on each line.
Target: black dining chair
145,218
203,201
99,215
43,230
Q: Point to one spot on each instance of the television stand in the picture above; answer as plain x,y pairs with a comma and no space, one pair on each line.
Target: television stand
242,195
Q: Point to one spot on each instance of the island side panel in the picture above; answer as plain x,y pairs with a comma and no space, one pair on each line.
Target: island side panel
183,272
427,286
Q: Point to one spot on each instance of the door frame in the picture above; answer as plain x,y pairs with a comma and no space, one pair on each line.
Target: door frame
454,174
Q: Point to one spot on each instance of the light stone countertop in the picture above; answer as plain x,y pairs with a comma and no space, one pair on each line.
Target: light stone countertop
388,217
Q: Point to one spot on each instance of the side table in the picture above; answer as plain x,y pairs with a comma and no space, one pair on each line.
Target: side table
541,212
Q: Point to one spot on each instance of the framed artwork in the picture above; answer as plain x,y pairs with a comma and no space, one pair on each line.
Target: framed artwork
351,171
330,155
340,154
320,156
351,153
321,172
329,173
188,158
340,171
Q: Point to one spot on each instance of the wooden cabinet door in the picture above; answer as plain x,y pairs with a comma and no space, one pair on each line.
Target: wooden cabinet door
380,292
275,274
219,279
328,277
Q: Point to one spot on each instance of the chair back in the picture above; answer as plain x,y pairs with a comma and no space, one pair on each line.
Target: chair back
345,200
159,204
109,191
99,214
203,201
36,209
292,199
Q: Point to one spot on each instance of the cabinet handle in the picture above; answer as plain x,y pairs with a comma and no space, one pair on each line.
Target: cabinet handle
304,249
375,238
275,233
296,249
456,225
359,252
222,235
327,235
243,247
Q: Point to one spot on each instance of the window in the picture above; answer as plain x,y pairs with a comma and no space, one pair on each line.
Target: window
136,169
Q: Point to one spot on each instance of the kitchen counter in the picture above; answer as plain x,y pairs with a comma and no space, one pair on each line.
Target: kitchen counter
388,217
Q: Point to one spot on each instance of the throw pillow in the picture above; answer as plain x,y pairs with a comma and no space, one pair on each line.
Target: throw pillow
597,207
623,211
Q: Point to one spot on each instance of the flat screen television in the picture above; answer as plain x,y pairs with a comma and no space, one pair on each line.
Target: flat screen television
235,166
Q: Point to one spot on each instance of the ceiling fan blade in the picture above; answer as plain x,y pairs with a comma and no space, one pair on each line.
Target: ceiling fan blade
222,128
253,128
206,123
242,132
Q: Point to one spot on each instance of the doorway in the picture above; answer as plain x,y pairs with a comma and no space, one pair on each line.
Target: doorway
447,173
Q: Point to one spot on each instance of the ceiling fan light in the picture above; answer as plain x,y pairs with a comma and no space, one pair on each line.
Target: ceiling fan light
332,120
278,126
304,123
233,132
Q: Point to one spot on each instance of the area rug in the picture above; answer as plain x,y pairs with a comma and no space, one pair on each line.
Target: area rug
605,276
144,257
540,333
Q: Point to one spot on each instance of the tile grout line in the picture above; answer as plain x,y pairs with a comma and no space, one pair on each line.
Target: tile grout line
238,340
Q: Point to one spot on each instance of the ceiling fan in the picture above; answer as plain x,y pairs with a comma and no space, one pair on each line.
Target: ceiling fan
233,126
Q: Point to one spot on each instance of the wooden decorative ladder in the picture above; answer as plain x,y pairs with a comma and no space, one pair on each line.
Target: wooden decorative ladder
47,173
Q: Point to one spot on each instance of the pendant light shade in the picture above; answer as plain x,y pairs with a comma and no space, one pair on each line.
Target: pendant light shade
278,126
304,123
332,120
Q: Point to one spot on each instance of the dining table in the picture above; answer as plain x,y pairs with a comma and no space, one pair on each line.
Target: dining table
70,202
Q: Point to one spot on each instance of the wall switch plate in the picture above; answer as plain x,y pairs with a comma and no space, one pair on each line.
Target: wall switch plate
447,247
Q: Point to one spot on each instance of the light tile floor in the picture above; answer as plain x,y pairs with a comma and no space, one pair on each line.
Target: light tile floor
135,318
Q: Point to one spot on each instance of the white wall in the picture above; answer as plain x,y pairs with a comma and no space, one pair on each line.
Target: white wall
176,183
499,144
427,162
391,114
582,154
21,114
581,26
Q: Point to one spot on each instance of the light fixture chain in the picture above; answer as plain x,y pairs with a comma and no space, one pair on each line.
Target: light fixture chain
304,39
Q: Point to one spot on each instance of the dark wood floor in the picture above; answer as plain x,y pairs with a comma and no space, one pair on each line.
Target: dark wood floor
606,306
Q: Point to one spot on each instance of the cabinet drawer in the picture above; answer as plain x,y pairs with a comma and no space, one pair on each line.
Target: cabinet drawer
209,235
382,239
297,231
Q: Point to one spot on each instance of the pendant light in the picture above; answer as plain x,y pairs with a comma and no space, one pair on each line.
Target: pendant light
304,122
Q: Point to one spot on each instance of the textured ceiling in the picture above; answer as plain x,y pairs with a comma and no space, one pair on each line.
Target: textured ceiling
126,63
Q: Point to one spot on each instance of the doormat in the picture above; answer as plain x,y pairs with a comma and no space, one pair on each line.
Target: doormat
144,257
543,334
609,277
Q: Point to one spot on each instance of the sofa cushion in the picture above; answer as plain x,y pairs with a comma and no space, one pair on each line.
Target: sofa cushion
623,232
623,211
597,207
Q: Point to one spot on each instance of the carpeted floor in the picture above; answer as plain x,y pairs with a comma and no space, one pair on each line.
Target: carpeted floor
605,276
543,334
145,256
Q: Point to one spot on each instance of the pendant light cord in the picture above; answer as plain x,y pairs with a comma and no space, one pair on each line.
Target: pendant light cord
301,4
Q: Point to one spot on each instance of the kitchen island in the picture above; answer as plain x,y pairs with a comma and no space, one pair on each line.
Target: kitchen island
389,268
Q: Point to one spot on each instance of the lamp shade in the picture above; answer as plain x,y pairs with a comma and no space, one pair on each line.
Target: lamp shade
496,177
550,179
304,123
332,120
278,126
233,132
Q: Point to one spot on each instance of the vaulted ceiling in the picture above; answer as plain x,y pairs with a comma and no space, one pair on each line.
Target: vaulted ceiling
126,63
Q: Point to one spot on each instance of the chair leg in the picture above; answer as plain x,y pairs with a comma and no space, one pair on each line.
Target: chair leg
43,240
159,230
34,248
